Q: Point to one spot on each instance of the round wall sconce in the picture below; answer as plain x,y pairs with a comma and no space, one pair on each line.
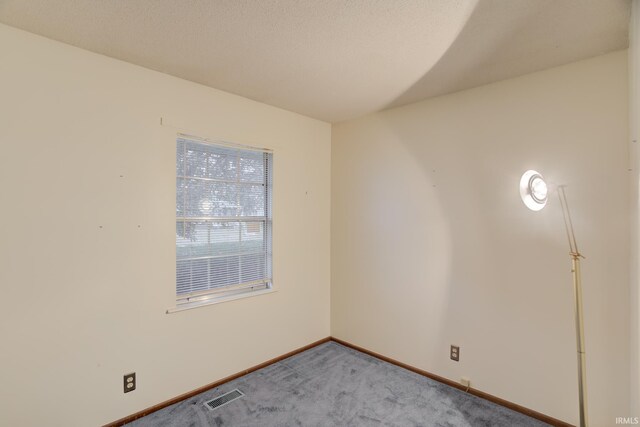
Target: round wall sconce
533,190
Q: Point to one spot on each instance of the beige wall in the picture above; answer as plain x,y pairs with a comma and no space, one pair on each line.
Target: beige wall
82,305
431,245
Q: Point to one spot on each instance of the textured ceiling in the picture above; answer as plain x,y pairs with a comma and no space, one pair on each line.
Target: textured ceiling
333,59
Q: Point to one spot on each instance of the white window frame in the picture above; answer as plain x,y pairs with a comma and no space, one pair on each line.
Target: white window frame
238,290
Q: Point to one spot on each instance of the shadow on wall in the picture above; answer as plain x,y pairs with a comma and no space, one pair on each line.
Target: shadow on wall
469,246
401,252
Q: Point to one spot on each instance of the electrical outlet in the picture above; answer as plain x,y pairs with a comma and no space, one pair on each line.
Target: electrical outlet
129,382
455,353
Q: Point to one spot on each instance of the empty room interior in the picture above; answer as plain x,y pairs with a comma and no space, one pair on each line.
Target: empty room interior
320,213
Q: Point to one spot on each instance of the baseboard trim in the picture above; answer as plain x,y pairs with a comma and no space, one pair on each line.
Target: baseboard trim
199,390
513,406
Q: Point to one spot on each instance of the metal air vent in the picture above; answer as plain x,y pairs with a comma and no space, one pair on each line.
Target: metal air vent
223,399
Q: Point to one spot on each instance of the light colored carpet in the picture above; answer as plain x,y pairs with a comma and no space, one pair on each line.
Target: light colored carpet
332,385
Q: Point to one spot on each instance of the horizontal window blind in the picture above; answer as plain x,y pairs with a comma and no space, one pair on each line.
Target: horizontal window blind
223,220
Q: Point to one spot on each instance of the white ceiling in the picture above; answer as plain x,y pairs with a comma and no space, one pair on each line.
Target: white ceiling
333,59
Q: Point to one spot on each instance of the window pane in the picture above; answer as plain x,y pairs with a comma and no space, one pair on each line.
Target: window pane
207,239
180,197
208,161
252,199
252,168
180,158
214,186
211,199
252,267
224,271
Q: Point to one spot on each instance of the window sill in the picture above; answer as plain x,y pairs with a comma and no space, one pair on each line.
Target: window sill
197,304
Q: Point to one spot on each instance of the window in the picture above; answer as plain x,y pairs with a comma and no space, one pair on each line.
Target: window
223,221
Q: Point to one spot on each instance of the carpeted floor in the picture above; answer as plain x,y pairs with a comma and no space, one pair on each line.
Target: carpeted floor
332,385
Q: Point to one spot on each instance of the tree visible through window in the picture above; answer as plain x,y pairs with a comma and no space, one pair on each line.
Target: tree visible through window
223,221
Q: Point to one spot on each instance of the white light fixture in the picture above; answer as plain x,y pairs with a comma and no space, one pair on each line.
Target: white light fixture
534,192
